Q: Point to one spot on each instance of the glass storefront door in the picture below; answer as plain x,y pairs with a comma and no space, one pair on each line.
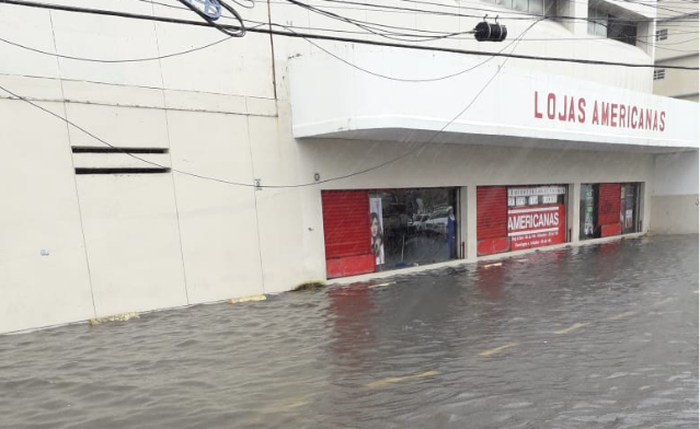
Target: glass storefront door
418,226
629,202
588,211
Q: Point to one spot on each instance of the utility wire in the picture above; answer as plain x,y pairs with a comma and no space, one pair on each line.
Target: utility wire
640,39
526,15
229,182
397,79
292,29
103,12
113,61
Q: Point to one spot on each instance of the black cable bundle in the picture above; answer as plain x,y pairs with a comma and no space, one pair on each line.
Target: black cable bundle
237,31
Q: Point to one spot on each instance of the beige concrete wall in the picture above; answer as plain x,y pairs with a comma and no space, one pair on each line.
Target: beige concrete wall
40,212
437,165
202,233
678,83
674,214
674,198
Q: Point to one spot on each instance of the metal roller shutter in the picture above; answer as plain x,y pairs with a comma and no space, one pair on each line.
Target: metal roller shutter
346,233
491,220
609,209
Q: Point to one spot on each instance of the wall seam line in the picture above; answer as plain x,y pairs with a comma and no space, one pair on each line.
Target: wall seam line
75,178
170,156
255,203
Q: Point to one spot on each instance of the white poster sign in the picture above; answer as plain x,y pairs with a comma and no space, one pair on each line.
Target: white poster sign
376,228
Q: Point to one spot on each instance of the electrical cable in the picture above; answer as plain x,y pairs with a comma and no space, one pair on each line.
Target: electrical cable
291,29
103,12
652,4
239,30
393,78
528,16
248,4
641,39
229,182
115,61
365,25
438,34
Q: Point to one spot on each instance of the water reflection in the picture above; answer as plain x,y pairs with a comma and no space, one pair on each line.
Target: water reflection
598,336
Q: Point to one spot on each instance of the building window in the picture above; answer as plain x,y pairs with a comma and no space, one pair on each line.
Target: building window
659,74
535,7
597,22
608,209
622,30
603,24
661,34
367,231
510,218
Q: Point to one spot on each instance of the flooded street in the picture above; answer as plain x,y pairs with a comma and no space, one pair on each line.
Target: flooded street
602,336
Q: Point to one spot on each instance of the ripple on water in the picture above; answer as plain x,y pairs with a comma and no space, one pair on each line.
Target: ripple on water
406,356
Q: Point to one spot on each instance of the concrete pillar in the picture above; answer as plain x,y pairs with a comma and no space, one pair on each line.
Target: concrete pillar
577,8
468,198
574,211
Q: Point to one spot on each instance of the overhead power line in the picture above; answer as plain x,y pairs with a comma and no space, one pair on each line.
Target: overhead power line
519,14
315,183
113,61
300,35
518,39
291,28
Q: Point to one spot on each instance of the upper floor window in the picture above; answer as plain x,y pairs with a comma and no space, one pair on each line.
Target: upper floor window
535,7
597,22
661,34
604,24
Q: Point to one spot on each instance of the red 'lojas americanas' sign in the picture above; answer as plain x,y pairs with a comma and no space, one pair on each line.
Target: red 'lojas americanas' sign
580,110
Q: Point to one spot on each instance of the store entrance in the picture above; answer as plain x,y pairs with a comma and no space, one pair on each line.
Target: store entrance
419,226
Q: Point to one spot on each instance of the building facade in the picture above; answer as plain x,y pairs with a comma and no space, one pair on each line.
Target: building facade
676,43
153,164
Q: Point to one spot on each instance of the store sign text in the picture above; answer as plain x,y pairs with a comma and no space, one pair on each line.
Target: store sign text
568,108
530,227
540,190
528,221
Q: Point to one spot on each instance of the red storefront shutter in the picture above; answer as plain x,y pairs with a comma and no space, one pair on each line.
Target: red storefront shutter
491,220
346,233
609,209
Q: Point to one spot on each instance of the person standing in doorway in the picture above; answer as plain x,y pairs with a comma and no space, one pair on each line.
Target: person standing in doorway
451,233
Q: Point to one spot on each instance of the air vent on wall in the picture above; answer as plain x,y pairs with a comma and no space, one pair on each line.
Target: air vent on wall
155,170
107,149
86,160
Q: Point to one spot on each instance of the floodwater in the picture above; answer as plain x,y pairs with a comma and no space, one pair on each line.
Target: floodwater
602,336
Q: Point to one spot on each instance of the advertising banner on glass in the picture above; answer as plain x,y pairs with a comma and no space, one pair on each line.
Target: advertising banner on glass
376,229
536,217
536,226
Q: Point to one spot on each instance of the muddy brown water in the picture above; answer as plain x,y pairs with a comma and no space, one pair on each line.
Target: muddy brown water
601,336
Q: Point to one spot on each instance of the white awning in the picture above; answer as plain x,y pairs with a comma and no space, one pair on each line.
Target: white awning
511,107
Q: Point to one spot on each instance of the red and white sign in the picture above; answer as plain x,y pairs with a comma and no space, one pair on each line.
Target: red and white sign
621,114
537,226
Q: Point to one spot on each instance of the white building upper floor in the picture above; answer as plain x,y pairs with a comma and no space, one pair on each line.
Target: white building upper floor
244,66
138,59
676,41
